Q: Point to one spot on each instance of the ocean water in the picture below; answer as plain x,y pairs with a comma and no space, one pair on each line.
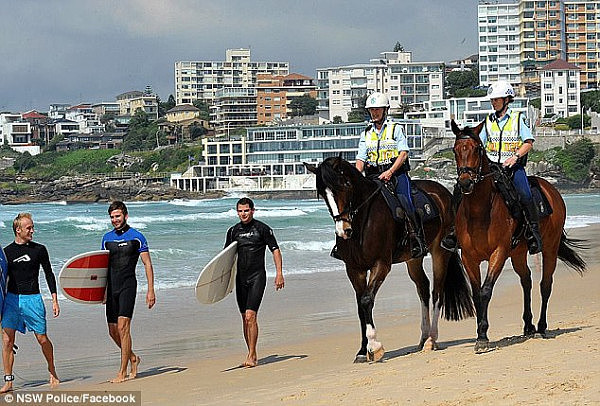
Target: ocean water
185,235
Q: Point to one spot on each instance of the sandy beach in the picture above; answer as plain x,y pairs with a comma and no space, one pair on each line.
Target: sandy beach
309,336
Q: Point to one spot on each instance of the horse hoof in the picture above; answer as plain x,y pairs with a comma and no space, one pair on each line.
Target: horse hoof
482,346
529,331
375,356
360,359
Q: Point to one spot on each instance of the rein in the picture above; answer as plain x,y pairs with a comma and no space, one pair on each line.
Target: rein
351,213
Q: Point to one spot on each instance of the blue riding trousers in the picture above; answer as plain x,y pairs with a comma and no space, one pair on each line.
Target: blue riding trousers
522,184
403,192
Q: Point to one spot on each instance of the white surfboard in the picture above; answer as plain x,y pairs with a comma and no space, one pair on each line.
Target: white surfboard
217,279
83,277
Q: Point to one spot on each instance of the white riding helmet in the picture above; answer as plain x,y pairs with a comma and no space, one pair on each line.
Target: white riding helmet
377,99
500,89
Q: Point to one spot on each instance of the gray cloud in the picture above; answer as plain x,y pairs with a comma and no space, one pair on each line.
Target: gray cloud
89,51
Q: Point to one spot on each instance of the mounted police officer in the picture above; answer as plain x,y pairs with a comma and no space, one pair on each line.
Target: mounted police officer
383,152
508,139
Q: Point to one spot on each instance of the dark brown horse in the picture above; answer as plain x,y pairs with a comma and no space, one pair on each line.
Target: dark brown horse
484,228
366,239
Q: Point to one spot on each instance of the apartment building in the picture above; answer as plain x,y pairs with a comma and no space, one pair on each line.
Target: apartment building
518,37
200,80
131,101
274,94
499,42
16,133
233,107
560,89
583,40
408,84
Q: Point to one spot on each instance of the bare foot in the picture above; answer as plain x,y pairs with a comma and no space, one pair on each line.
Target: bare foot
250,362
54,381
135,363
8,387
120,378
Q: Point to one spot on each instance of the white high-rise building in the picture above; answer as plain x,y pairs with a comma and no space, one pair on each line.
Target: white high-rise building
199,80
408,84
499,42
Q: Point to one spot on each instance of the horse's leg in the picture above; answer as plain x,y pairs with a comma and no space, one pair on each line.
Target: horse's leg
548,267
496,263
440,258
358,278
377,275
418,276
519,262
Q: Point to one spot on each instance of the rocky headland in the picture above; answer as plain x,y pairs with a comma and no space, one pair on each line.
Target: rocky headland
86,189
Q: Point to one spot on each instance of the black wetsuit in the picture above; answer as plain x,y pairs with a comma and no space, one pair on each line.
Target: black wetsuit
251,278
24,261
125,246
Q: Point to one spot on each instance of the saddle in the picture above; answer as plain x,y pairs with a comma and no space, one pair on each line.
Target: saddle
421,200
506,187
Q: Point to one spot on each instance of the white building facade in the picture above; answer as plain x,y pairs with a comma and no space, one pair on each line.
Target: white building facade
560,87
408,84
499,42
199,80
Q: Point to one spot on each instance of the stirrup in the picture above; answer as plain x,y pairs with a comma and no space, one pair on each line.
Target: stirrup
449,243
334,253
9,378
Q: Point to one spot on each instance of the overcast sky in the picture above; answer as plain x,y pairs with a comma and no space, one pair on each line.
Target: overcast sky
73,51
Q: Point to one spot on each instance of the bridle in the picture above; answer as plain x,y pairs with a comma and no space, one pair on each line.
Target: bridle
350,212
473,172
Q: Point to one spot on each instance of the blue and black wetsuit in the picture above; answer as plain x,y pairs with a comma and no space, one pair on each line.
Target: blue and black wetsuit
251,278
125,246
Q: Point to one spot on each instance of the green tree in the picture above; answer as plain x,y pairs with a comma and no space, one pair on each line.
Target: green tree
537,103
398,47
303,106
204,109
163,107
591,100
357,116
24,162
337,120
53,142
574,122
576,159
465,81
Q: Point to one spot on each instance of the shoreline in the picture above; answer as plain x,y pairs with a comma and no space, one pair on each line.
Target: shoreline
309,335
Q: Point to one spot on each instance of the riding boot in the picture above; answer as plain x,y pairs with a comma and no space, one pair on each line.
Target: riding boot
534,239
418,247
334,253
450,242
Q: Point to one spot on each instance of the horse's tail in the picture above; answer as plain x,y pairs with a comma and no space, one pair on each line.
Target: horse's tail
567,253
457,300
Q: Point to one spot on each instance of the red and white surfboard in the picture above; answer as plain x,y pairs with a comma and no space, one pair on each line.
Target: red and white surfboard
83,278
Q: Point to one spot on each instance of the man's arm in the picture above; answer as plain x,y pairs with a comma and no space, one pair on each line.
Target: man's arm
150,297
279,281
50,280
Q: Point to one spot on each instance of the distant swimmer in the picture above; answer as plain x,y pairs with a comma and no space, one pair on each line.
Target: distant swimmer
24,307
125,245
253,237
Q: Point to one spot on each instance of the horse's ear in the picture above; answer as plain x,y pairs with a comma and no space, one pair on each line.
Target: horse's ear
478,129
310,167
455,128
340,155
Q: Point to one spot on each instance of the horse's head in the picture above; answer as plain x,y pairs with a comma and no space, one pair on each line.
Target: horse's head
336,180
469,154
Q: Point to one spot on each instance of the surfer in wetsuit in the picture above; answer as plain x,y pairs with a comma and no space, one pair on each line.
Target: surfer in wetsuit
23,306
253,237
126,245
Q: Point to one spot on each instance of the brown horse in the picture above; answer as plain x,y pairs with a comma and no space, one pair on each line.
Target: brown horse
485,227
367,240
